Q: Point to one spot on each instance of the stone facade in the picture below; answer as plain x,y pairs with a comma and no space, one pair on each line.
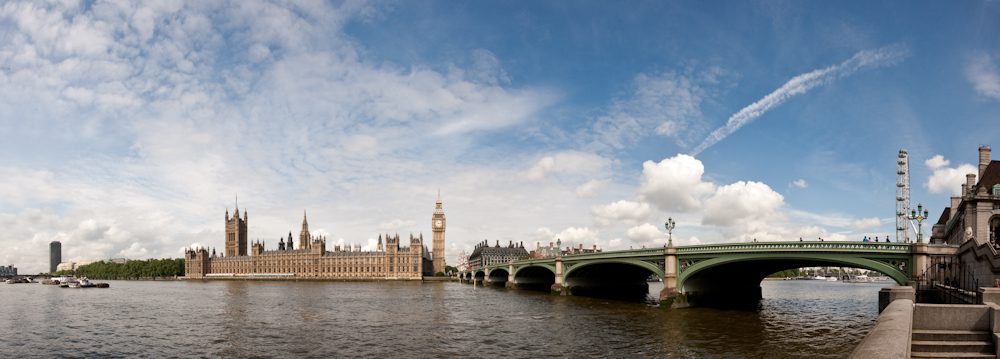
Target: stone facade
976,213
975,216
312,259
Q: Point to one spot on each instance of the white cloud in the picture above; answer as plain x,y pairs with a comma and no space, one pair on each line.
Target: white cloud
866,223
134,251
885,56
588,189
666,104
396,224
936,162
651,236
646,234
800,184
541,169
571,163
984,76
742,201
624,211
674,184
944,178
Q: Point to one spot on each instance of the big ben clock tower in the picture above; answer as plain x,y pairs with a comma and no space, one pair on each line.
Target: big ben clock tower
438,224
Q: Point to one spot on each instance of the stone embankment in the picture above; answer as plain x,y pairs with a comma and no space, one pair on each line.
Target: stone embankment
908,330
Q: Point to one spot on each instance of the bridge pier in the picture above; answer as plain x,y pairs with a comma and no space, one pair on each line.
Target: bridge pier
670,295
558,288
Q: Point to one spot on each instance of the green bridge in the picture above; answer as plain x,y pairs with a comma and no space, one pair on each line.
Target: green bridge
702,275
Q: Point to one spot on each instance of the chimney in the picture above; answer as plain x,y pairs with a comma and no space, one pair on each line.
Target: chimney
984,159
955,201
595,248
550,245
581,246
970,180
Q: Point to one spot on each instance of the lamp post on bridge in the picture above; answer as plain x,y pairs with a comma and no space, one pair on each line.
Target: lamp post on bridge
920,217
670,231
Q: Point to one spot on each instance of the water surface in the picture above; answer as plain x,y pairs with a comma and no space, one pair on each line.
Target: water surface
798,319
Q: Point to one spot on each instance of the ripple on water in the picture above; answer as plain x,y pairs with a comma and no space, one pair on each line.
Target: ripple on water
797,319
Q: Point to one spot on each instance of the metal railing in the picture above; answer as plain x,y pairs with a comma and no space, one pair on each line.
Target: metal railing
947,281
799,246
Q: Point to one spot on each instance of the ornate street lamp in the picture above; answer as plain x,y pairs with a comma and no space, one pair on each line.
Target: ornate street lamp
670,231
920,217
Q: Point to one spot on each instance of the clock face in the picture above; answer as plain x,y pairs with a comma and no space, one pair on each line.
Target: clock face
438,223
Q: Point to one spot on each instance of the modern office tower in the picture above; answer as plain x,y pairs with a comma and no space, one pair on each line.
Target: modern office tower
55,255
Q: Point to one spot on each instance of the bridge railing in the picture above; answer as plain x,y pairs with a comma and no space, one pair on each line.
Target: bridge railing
797,247
811,246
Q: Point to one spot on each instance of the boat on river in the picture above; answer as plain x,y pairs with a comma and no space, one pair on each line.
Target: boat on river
831,279
85,283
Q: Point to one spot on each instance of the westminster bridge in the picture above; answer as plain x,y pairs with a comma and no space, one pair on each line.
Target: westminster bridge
701,275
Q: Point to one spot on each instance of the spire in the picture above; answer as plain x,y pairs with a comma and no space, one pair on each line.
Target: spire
304,223
437,207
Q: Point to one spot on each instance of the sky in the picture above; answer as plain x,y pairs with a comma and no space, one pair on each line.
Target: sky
129,129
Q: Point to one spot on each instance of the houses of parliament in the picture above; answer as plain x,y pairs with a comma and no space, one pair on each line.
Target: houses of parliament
312,259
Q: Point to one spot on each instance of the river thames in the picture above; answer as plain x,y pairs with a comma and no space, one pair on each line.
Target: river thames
797,319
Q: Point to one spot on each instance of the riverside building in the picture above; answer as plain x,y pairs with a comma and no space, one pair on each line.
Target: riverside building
485,255
55,255
311,259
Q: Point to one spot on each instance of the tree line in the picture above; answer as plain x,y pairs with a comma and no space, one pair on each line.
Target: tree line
788,273
131,269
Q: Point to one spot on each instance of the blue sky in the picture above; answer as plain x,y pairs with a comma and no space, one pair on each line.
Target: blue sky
128,128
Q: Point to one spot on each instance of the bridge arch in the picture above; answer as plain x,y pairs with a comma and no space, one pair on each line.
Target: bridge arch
748,266
655,269
733,279
534,277
618,278
533,268
498,275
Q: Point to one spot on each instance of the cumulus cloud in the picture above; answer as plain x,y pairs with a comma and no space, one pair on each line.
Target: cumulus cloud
588,189
674,184
885,56
134,251
945,178
646,234
800,184
982,72
622,211
651,236
866,223
742,201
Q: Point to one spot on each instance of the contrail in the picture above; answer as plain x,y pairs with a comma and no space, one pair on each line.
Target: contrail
885,56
